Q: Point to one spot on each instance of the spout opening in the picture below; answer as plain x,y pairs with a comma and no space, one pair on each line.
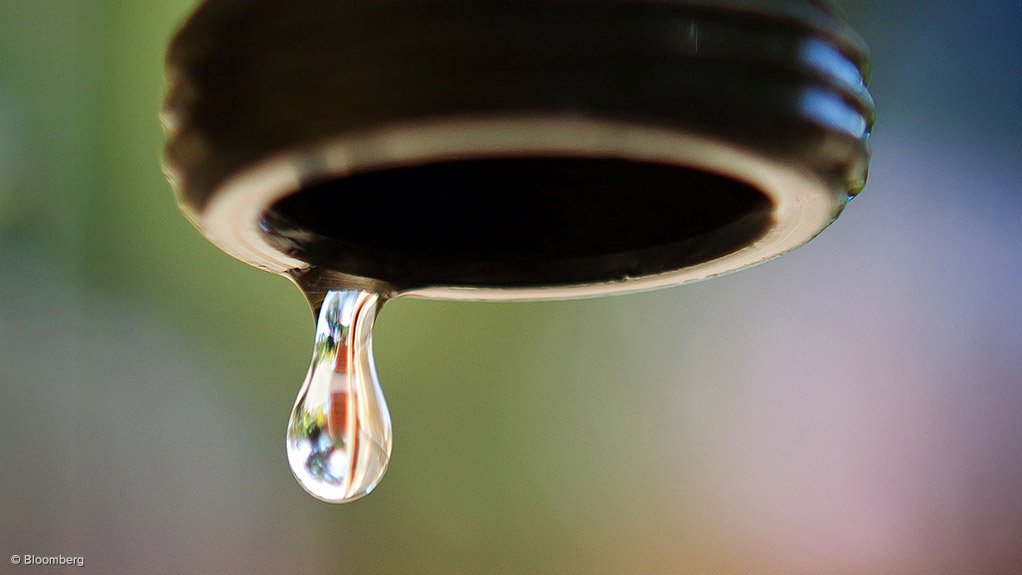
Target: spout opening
517,221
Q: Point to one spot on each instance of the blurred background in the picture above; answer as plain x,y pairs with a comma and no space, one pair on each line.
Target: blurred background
854,407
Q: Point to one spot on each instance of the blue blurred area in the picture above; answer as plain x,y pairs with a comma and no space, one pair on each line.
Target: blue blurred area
852,407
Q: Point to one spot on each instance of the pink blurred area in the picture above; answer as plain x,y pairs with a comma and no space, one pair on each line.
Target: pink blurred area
858,403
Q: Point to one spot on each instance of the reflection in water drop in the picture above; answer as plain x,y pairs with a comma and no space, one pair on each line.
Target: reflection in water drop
339,436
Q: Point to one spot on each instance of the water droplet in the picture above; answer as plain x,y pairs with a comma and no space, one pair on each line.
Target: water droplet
339,436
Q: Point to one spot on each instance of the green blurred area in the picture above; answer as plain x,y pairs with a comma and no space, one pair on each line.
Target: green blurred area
87,77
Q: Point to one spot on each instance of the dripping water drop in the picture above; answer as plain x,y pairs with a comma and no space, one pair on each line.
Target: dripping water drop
339,436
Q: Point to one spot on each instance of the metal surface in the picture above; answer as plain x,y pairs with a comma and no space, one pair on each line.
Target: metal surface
281,113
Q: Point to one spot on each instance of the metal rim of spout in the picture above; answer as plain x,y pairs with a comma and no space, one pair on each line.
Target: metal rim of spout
803,204
768,94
